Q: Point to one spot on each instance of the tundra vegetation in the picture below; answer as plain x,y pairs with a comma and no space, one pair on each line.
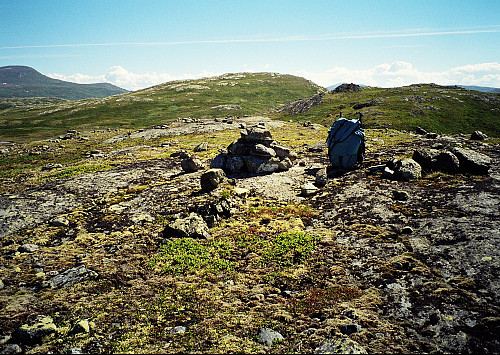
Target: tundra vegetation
365,263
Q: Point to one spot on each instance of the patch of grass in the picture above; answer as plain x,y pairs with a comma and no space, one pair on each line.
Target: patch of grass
289,248
187,256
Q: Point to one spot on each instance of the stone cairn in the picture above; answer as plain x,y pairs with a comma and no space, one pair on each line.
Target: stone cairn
255,152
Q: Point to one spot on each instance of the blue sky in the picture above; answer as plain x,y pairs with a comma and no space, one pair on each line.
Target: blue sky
135,44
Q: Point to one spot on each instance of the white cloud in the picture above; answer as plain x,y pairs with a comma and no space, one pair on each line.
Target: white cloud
121,77
403,73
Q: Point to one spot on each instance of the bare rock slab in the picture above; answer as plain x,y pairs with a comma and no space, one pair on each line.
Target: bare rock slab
71,277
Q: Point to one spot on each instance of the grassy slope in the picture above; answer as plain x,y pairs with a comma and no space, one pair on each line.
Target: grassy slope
192,98
434,108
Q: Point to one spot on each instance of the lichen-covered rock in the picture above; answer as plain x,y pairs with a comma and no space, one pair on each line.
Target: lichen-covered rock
234,163
260,150
211,179
71,277
192,226
472,162
219,161
201,147
285,164
447,162
478,135
407,169
28,248
191,164
257,134
32,334
268,336
426,158
340,346
82,326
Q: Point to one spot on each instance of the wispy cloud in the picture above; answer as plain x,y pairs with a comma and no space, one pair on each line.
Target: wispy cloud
329,37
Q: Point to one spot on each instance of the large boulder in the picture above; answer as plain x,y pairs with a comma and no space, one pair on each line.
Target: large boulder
426,158
234,163
407,169
211,179
219,161
472,162
447,162
192,226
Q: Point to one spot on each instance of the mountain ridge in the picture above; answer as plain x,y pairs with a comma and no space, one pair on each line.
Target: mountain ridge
24,81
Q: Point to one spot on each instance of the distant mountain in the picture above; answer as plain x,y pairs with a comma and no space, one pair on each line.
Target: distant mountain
480,88
22,81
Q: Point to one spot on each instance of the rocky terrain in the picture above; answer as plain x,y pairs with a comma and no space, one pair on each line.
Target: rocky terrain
130,252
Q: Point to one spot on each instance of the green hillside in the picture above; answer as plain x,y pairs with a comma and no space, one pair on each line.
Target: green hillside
221,96
442,109
21,81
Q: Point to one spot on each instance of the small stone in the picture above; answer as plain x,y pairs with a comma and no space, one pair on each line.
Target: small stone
82,326
71,277
285,164
59,222
201,147
260,150
75,351
321,177
178,330
309,189
211,179
478,135
268,336
191,227
407,169
348,329
407,230
12,349
28,248
400,195
32,334
191,164
340,346
282,152
2,285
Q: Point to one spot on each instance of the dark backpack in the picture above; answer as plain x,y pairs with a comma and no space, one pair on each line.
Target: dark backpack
346,143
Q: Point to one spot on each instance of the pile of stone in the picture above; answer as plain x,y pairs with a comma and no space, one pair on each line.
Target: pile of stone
454,160
254,152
